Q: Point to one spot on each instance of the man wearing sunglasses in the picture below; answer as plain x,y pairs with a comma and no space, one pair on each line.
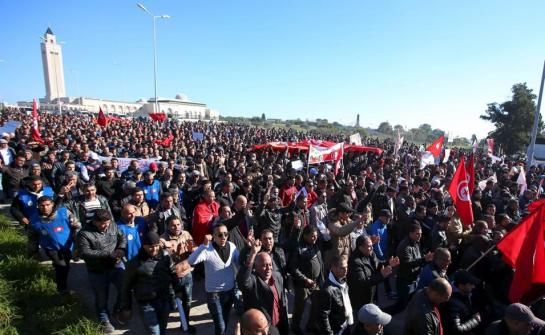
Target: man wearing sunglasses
220,258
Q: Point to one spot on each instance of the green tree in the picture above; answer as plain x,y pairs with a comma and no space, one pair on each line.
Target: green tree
385,128
399,128
513,120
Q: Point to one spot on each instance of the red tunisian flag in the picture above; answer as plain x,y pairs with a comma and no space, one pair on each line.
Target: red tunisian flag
523,250
35,128
166,142
435,147
460,193
470,170
102,119
158,116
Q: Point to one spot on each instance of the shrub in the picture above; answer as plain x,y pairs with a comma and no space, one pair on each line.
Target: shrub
28,292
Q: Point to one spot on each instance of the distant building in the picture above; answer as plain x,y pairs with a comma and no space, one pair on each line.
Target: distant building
53,67
357,121
56,99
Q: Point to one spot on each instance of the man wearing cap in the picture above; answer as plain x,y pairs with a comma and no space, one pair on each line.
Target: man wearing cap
148,276
518,320
458,313
371,321
102,245
340,230
423,317
151,188
56,229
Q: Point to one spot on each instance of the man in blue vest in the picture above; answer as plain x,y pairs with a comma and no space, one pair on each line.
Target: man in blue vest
57,229
133,227
151,188
25,206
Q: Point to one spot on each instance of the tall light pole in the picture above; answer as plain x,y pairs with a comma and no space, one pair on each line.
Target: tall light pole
155,17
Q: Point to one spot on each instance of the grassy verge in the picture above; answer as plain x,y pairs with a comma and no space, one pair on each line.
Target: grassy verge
29,302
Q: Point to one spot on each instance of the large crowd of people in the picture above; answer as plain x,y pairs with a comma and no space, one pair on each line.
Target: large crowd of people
380,237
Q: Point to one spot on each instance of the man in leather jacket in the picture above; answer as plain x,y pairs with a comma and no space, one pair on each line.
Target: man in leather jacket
459,315
102,245
423,316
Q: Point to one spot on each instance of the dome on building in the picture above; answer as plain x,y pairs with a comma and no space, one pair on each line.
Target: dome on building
182,96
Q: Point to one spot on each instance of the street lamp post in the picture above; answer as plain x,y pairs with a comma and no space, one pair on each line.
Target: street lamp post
155,17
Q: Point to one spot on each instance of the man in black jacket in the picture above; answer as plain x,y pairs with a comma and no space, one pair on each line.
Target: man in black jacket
365,272
149,276
263,289
331,312
307,268
240,225
423,316
410,264
459,314
102,246
270,217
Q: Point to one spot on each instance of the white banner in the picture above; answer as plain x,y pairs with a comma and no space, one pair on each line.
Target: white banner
447,155
143,164
355,139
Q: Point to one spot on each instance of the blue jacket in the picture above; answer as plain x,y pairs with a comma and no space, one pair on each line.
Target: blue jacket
380,229
133,235
151,192
54,234
29,200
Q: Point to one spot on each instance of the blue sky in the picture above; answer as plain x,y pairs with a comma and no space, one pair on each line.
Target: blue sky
405,62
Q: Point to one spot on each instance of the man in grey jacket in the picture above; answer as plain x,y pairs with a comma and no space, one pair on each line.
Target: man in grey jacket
102,246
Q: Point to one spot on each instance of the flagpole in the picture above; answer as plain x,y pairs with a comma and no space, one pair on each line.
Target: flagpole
482,256
531,147
308,161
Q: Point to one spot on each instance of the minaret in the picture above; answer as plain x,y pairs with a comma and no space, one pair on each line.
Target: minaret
358,121
53,68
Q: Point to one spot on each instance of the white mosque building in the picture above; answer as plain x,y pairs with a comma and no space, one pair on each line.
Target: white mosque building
56,99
